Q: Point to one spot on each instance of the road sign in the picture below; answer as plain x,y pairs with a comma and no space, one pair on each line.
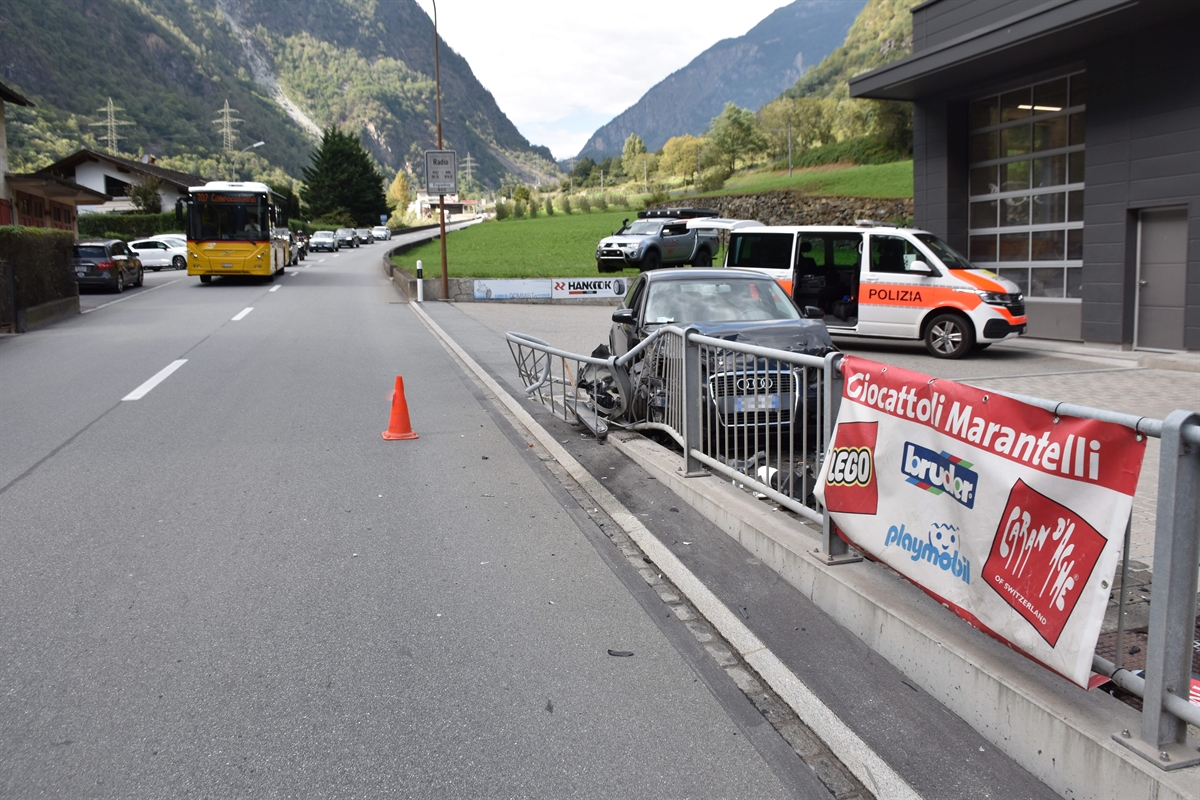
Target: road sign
441,172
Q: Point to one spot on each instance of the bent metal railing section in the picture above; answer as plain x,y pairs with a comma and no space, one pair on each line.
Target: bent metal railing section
763,419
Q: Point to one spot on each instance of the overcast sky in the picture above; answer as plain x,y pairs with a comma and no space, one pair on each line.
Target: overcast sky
562,68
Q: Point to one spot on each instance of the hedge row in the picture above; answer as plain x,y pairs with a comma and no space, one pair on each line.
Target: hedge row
41,263
125,226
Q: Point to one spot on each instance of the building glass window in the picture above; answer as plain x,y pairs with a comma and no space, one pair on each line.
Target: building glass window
1026,185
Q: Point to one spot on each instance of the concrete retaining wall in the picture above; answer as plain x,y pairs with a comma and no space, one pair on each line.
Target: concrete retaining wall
791,208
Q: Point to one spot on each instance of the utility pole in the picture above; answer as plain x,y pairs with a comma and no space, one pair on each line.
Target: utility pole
601,181
437,80
111,123
226,119
645,174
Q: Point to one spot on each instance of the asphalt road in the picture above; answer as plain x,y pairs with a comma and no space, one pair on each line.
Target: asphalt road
233,587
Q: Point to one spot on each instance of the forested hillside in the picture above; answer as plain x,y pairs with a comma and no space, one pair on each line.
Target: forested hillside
364,66
748,70
881,34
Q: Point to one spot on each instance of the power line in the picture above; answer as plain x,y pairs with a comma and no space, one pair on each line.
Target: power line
111,123
226,120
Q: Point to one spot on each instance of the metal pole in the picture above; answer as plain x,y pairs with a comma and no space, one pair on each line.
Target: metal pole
420,282
437,80
1172,597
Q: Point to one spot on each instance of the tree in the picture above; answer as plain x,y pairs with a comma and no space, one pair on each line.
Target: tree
398,195
582,169
681,156
144,195
343,175
733,134
291,201
809,117
634,147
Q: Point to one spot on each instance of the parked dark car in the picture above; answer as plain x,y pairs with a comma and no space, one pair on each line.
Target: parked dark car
348,237
107,263
742,391
365,236
324,240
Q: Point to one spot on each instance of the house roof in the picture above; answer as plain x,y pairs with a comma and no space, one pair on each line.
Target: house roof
55,188
180,180
9,96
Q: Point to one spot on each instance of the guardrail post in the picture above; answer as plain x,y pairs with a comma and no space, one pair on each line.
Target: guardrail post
692,397
1163,737
834,549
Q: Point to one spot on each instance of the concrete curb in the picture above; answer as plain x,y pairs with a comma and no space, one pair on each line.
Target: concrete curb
1060,733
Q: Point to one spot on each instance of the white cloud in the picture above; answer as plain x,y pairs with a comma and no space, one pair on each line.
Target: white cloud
562,68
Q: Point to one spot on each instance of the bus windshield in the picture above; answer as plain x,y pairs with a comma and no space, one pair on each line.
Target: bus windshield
226,216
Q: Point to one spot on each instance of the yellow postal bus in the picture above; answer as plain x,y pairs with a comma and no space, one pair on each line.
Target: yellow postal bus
229,230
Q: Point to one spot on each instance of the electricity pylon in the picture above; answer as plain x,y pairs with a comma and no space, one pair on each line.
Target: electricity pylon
111,123
469,164
226,120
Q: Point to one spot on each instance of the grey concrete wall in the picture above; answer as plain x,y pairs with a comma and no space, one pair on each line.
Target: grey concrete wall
1143,151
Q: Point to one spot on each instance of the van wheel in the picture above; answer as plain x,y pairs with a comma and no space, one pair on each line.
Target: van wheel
702,259
949,336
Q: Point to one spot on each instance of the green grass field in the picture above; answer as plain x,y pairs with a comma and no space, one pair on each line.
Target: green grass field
564,246
560,246
876,180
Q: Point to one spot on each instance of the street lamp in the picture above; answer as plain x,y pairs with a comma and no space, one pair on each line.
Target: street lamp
239,155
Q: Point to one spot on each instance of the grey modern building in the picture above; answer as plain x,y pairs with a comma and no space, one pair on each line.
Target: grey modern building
1058,142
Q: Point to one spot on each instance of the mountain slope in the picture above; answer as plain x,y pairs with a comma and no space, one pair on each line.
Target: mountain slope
750,70
171,64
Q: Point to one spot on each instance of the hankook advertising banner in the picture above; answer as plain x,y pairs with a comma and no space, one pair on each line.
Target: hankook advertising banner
1011,516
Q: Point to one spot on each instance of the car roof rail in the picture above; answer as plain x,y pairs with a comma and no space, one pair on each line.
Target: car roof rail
677,213
871,223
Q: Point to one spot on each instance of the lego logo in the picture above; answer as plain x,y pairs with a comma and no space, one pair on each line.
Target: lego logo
851,466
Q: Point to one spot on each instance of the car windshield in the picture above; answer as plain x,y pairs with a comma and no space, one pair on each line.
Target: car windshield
725,300
948,255
641,227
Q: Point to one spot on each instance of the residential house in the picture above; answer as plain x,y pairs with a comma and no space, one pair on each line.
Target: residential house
37,201
115,175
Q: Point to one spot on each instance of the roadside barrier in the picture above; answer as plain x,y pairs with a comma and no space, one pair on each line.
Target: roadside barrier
764,420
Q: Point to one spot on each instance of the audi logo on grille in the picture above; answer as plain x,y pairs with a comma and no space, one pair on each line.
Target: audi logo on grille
754,384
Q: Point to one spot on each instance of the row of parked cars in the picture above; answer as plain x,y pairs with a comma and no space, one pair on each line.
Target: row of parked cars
333,241
113,264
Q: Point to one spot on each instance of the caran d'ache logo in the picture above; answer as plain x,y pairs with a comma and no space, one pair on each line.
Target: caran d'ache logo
940,473
1042,557
850,485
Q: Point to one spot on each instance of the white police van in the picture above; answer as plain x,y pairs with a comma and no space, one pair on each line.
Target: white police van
882,281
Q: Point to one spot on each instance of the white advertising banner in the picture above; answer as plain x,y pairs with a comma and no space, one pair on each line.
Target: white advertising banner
1011,516
578,288
513,289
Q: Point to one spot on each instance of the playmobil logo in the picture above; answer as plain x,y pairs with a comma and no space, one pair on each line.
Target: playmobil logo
939,548
940,473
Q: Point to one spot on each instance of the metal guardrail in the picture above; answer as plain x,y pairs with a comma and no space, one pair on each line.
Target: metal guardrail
764,418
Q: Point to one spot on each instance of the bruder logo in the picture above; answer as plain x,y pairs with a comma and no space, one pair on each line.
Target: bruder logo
940,473
850,485
1042,556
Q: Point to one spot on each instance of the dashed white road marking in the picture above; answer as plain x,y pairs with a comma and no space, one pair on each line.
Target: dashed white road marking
273,289
163,374
242,314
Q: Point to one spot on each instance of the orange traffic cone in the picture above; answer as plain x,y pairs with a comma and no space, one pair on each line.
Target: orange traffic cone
399,427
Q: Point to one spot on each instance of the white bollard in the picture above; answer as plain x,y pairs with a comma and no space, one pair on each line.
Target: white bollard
420,282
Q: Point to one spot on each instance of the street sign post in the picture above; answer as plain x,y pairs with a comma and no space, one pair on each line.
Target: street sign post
441,172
